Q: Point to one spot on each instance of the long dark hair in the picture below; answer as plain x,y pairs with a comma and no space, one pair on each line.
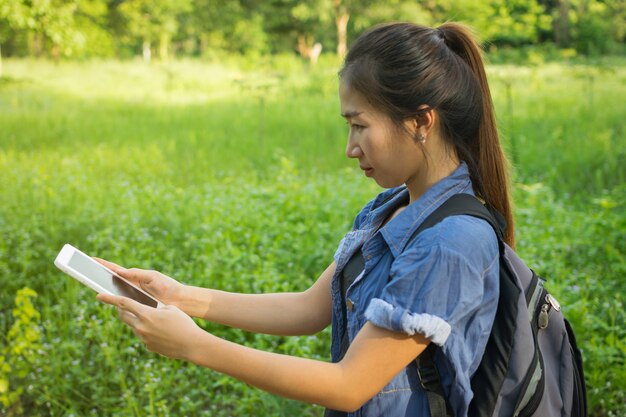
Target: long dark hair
400,67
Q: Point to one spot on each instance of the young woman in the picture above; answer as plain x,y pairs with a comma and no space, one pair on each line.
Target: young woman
422,125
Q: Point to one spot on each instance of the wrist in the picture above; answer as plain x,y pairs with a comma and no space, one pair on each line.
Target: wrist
181,295
194,301
200,351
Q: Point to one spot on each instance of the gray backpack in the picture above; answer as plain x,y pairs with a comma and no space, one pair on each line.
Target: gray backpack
531,365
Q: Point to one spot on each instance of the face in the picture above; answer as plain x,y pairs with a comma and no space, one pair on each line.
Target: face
385,153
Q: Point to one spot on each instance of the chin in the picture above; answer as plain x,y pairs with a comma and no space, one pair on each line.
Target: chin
386,183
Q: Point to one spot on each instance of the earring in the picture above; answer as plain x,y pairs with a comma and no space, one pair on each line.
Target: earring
421,138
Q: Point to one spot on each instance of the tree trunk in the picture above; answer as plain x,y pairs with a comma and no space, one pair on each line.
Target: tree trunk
56,53
342,15
561,25
308,48
36,43
203,44
164,43
0,60
147,52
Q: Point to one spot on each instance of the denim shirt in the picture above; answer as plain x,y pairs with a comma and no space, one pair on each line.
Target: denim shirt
442,284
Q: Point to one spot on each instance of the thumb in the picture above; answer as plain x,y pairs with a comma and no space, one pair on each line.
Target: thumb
137,276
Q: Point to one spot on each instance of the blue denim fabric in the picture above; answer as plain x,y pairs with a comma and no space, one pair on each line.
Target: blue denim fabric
442,284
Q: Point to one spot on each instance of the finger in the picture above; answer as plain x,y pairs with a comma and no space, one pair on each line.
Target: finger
112,266
124,303
128,318
133,275
107,299
119,270
136,276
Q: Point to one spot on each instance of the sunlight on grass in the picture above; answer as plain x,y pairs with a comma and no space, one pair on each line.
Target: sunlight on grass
233,176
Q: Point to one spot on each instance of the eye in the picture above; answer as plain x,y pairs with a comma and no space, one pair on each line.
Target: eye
355,126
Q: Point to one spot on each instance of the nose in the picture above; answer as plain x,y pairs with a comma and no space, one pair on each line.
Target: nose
353,150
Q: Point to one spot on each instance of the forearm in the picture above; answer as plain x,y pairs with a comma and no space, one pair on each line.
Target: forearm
284,314
375,356
306,380
278,314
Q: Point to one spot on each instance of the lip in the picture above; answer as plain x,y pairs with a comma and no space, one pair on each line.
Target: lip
367,170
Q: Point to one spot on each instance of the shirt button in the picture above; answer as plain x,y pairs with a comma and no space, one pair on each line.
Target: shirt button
350,304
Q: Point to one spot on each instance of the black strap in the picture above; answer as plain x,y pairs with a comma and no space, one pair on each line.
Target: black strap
431,382
458,204
334,413
464,204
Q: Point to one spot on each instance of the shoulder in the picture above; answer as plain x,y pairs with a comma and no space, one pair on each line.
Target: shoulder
464,233
461,239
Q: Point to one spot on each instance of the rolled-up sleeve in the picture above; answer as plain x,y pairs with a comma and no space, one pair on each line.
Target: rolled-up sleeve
433,290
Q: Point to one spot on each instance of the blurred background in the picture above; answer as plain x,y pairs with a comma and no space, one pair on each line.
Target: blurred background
203,139
205,28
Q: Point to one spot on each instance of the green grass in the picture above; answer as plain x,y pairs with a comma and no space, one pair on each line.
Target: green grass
233,176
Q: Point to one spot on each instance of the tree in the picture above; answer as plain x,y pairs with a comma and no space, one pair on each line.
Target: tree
153,21
57,26
367,13
591,23
342,16
306,22
13,15
500,22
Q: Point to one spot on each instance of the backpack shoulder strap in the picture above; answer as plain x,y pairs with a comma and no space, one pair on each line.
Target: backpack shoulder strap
458,204
464,204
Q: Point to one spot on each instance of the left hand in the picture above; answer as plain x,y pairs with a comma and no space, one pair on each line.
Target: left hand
165,330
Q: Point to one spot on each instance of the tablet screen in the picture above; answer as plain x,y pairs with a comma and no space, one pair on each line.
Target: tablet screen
94,271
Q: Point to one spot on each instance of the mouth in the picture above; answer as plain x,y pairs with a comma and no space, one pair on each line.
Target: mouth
367,170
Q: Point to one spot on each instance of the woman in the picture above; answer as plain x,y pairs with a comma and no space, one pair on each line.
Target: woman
421,124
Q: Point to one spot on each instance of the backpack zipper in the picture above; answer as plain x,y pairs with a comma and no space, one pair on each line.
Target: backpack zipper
543,319
534,401
530,396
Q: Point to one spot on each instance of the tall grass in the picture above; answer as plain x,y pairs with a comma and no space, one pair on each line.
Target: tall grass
233,176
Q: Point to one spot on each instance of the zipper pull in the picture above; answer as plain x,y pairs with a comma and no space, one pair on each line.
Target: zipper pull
555,304
544,316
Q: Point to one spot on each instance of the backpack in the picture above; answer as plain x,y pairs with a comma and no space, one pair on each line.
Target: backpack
531,365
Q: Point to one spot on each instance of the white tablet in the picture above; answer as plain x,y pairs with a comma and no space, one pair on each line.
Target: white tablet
98,277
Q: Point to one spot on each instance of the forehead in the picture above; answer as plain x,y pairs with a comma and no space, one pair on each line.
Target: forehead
352,101
354,104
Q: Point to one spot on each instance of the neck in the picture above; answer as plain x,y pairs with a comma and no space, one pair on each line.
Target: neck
434,171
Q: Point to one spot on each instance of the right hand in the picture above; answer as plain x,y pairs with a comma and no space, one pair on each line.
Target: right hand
165,289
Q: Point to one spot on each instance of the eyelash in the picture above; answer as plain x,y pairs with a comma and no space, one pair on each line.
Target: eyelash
355,126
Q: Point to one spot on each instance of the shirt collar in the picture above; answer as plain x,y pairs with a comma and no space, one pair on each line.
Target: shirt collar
399,231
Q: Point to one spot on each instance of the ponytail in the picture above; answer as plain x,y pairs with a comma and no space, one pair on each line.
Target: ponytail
492,180
401,67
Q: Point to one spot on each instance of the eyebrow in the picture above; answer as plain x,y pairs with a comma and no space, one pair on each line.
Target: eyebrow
350,114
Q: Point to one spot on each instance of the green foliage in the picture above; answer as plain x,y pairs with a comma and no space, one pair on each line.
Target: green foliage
154,21
598,27
83,28
510,23
235,178
20,352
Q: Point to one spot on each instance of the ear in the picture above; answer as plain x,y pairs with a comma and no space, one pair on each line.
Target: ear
426,120
423,124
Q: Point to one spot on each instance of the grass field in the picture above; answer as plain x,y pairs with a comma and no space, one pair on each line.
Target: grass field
233,176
